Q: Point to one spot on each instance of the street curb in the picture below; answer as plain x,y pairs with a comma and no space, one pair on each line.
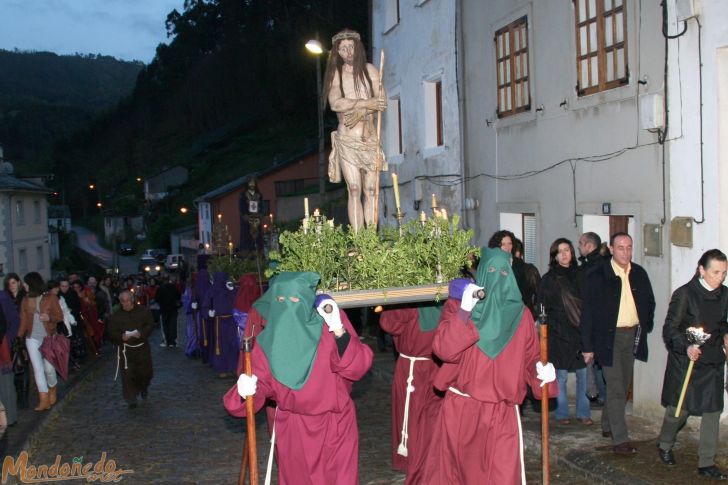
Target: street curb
83,375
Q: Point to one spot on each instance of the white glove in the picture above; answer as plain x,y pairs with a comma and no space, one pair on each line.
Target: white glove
194,305
333,319
247,385
545,373
469,299
211,313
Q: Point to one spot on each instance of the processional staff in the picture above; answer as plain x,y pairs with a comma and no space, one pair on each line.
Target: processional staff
543,334
250,452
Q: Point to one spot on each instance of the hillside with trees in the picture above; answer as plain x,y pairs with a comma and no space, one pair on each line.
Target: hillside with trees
233,89
45,97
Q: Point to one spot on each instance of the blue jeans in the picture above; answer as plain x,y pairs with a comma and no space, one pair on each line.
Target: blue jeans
583,410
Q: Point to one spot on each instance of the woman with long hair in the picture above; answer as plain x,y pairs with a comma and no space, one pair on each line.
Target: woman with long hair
560,295
21,372
39,314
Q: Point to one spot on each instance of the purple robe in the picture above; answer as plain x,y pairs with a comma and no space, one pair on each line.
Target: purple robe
224,347
193,345
203,294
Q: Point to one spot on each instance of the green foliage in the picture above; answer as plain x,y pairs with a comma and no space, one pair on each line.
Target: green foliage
348,260
232,265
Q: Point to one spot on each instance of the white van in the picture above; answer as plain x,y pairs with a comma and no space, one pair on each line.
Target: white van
174,262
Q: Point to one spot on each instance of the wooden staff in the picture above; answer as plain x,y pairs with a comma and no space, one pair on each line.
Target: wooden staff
250,453
545,463
380,155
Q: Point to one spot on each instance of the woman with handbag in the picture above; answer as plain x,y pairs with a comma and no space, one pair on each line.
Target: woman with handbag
39,314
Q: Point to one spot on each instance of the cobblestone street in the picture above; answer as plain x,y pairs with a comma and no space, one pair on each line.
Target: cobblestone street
182,433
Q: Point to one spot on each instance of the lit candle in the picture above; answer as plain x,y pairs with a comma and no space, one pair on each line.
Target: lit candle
305,225
443,214
271,218
434,201
219,218
305,207
423,216
331,223
395,185
230,247
316,213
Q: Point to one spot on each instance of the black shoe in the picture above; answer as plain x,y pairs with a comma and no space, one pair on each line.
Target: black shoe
713,472
666,456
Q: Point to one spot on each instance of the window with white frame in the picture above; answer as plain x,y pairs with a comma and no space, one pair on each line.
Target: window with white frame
601,45
36,211
511,49
39,256
394,127
391,13
19,213
22,260
433,113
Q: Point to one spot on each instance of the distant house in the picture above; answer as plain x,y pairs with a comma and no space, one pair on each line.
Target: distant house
283,187
59,217
24,237
157,186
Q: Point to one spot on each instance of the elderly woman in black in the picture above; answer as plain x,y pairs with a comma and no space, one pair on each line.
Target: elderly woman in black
559,293
702,302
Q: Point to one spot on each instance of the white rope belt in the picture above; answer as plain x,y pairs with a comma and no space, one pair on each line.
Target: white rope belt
402,448
121,351
457,391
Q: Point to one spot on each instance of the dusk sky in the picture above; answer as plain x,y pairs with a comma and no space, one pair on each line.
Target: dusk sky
125,29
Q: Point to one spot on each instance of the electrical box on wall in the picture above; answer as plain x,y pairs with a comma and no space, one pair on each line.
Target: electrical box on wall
687,9
652,237
652,111
681,231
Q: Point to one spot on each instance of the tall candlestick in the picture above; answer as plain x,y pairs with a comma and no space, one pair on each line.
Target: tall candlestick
219,218
434,201
395,185
271,218
305,225
443,214
423,216
305,207
316,213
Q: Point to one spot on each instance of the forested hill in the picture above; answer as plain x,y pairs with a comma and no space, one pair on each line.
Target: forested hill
44,96
233,90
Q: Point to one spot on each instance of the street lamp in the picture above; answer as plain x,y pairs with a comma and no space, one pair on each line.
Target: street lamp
314,46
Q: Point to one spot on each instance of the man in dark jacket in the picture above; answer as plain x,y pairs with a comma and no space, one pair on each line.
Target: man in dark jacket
702,302
168,298
590,245
617,313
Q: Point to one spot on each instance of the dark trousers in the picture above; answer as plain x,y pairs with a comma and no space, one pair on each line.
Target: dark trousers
169,326
709,424
618,377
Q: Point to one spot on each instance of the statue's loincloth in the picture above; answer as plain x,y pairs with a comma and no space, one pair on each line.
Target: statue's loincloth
355,151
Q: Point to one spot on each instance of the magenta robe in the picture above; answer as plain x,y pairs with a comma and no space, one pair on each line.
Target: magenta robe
476,438
424,405
317,439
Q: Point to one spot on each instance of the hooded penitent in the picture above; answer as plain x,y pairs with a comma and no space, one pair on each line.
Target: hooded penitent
497,317
429,316
248,292
202,291
293,329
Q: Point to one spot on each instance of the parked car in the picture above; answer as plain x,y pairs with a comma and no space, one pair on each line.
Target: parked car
156,253
125,249
149,266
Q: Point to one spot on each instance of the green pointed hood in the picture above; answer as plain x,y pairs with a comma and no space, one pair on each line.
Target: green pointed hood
293,329
496,317
429,316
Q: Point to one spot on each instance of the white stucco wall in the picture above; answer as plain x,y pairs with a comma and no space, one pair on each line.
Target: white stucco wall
558,141
420,48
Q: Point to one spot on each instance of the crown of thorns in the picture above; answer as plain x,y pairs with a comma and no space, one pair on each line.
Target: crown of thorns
344,36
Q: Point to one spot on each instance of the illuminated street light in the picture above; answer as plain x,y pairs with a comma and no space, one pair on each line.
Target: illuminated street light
98,204
91,186
138,179
183,210
314,46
